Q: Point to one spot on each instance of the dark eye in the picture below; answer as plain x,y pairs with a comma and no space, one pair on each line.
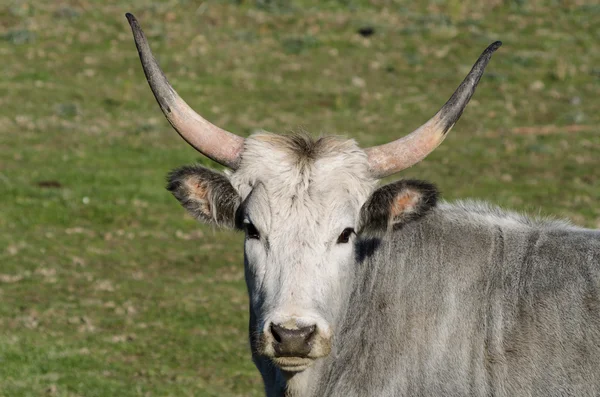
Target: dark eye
251,232
345,236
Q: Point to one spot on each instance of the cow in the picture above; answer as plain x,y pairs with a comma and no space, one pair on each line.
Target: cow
360,290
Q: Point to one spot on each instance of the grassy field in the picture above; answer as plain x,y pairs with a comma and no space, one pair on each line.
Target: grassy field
107,288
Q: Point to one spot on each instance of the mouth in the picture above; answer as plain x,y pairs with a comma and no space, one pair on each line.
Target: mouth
292,364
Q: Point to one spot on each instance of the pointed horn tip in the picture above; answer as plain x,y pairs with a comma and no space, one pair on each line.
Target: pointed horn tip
133,23
493,47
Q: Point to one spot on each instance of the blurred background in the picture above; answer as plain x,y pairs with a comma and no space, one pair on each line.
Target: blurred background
108,288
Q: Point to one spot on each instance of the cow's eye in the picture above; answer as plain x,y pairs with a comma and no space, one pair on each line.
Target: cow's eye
345,236
251,232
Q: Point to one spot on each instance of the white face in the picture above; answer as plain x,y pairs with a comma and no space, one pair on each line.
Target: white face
299,218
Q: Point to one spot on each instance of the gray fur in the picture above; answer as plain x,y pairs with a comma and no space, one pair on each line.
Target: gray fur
464,302
462,299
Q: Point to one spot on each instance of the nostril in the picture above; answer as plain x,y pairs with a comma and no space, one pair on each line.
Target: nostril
275,334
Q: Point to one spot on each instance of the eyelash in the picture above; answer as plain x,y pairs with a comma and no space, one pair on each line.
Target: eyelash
251,232
345,236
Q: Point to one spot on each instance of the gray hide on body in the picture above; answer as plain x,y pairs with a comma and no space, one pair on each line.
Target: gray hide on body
470,300
453,300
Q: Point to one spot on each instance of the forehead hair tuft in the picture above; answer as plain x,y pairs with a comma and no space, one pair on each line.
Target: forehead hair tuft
297,163
303,148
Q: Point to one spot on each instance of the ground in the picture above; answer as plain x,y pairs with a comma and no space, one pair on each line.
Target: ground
107,288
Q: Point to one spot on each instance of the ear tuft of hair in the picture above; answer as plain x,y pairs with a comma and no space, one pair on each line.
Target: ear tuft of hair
394,205
206,194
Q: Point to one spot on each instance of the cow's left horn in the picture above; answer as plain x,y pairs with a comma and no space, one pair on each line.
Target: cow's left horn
210,140
395,156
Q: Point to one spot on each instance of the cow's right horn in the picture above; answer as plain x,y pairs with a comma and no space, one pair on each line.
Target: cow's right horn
210,140
402,153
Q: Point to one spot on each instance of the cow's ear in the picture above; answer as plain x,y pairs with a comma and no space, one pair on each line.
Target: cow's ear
206,194
393,205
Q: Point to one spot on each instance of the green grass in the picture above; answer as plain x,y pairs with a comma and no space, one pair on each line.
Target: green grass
107,288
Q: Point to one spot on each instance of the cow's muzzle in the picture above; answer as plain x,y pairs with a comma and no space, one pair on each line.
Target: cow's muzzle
295,342
294,348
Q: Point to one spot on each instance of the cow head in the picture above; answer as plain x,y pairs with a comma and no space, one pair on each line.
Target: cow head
302,204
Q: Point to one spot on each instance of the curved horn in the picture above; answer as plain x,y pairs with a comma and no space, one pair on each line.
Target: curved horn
402,153
210,140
